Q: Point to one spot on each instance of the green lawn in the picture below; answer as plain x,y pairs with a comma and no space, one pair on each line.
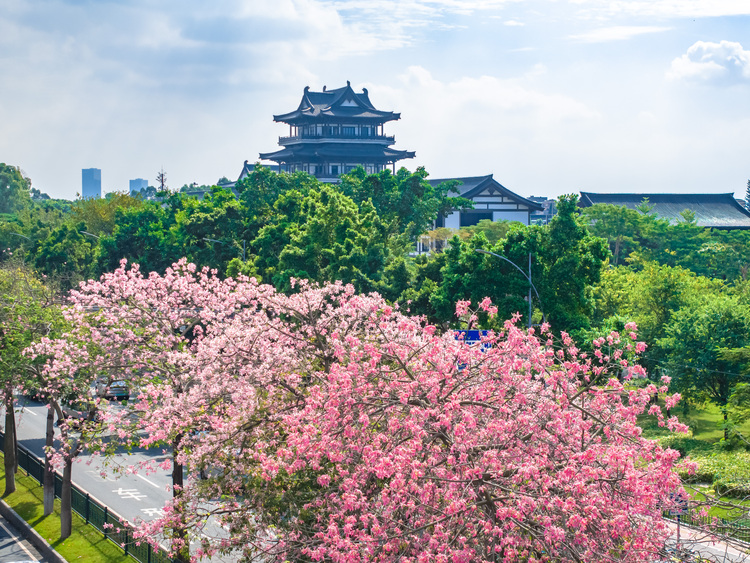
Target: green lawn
85,543
705,424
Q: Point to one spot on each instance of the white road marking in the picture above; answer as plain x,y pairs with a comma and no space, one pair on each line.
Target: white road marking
149,481
12,535
129,493
153,511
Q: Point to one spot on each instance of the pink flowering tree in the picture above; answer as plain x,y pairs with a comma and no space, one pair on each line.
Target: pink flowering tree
329,426
342,430
145,330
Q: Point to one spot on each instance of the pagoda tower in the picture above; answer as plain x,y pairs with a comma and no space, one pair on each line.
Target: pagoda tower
334,131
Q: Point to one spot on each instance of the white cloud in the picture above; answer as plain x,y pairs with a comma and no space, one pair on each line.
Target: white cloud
473,124
616,33
513,23
667,8
720,63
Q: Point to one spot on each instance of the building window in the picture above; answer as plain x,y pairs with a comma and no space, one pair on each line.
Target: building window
334,169
348,131
469,218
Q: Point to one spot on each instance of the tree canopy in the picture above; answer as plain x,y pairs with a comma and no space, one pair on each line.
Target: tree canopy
335,427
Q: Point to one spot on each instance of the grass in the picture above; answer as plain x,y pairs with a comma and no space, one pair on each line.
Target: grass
705,424
727,507
85,542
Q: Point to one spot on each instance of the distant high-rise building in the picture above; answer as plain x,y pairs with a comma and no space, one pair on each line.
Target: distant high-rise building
91,184
137,185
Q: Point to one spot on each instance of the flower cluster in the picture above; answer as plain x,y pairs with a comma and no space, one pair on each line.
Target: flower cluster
331,426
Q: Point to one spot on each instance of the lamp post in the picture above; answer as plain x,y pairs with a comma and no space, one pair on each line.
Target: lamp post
222,242
89,234
22,236
528,278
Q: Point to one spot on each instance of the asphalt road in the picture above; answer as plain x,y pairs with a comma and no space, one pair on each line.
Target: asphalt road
14,549
135,497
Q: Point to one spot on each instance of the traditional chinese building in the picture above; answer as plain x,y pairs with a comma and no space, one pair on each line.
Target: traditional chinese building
492,201
713,211
334,131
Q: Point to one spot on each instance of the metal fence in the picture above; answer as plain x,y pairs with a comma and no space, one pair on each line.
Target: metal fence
115,528
737,530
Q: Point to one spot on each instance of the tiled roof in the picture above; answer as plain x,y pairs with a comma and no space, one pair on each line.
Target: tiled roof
335,104
325,152
717,211
473,185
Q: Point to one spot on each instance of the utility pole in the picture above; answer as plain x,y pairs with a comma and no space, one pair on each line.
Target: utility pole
161,177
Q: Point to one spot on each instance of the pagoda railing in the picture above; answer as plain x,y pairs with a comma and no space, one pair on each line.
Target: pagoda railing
388,138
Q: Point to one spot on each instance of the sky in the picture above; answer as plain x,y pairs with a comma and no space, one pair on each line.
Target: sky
549,96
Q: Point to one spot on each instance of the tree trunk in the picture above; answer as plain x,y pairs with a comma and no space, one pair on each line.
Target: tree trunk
617,249
66,509
179,533
49,472
726,424
9,449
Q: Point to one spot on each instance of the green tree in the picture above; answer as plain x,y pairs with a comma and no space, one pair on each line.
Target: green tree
67,255
219,216
566,262
98,214
322,236
27,313
620,226
494,231
650,296
14,189
572,261
144,235
259,191
695,338
406,201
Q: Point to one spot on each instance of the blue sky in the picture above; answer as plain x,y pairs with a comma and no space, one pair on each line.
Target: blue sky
549,96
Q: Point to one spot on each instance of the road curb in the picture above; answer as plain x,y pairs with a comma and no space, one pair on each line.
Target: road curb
30,534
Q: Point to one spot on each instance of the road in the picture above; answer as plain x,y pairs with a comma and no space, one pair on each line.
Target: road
133,496
701,543
13,548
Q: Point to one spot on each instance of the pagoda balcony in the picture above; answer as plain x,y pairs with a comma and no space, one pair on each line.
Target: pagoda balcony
390,139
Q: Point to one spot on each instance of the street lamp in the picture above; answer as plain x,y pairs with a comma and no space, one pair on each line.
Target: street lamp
528,278
89,234
22,236
222,242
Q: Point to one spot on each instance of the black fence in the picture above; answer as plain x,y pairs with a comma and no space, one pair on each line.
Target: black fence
114,527
739,530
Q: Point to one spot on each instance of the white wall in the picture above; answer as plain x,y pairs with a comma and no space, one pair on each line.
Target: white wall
521,216
453,221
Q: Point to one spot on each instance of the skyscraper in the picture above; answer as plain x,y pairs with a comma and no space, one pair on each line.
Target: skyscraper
91,183
137,185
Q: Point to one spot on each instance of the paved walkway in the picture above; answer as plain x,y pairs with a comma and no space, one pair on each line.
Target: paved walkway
702,543
13,548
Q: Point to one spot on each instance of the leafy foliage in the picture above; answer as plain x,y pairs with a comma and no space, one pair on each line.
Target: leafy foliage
337,428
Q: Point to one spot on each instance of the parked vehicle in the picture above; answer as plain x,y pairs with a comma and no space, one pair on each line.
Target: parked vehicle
117,389
74,412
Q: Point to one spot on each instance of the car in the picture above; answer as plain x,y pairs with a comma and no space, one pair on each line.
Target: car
116,389
74,412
